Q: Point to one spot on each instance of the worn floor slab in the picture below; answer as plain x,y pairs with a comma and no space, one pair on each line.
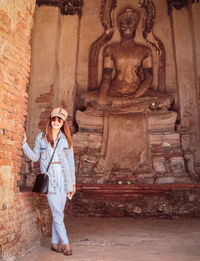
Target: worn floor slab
126,239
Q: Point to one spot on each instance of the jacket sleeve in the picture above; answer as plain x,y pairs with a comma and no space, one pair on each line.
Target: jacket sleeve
34,154
70,159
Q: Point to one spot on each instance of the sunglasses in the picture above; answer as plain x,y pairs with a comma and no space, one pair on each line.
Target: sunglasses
57,118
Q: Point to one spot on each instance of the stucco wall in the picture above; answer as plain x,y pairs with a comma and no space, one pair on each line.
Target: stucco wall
53,67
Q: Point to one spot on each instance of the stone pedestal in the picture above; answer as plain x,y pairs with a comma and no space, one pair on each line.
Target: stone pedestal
128,147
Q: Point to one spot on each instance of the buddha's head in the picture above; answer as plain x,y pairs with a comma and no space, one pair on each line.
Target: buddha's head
127,21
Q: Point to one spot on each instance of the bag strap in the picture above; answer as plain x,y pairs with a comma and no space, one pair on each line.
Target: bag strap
52,156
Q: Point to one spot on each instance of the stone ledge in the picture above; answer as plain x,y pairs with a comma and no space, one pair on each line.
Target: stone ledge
100,188
136,200
128,192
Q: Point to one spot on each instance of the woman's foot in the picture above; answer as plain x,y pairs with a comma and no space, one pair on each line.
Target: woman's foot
67,250
55,247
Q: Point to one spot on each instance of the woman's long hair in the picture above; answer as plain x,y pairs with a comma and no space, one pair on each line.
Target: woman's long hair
65,129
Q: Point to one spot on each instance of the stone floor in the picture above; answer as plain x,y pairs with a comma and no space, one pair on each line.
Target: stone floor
126,239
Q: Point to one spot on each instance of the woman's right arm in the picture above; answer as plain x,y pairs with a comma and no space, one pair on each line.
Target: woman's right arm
34,154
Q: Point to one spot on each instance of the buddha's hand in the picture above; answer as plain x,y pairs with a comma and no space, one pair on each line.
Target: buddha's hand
103,101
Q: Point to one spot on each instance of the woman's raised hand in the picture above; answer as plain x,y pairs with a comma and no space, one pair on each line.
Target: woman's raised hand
24,139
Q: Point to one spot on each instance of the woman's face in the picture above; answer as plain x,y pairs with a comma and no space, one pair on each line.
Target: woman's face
56,123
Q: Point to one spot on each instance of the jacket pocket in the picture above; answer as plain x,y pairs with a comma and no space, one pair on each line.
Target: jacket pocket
43,153
65,150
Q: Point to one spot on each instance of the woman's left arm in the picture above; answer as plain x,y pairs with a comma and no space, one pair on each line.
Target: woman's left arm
70,159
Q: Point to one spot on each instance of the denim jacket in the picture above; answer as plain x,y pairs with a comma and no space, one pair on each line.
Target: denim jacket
42,151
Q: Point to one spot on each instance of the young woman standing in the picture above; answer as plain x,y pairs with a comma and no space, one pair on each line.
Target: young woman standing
61,171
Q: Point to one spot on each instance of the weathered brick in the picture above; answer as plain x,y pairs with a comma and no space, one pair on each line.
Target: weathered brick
5,155
5,162
15,68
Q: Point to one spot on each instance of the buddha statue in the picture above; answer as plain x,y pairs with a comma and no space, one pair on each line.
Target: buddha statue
127,72
130,62
124,110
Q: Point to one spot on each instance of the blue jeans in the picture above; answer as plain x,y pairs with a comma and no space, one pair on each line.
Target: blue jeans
57,204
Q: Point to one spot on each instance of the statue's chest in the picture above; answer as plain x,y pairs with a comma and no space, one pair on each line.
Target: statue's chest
130,61
128,56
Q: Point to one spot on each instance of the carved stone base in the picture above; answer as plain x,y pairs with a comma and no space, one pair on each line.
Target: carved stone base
134,147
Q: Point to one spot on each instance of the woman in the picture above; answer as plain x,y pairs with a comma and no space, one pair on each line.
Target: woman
61,172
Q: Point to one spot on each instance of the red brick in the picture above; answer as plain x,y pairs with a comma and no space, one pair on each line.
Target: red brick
15,68
5,155
5,162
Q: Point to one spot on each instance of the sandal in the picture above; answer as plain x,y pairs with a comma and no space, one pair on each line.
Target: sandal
67,252
55,248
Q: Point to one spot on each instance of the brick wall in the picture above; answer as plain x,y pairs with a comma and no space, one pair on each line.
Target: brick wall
18,231
17,215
